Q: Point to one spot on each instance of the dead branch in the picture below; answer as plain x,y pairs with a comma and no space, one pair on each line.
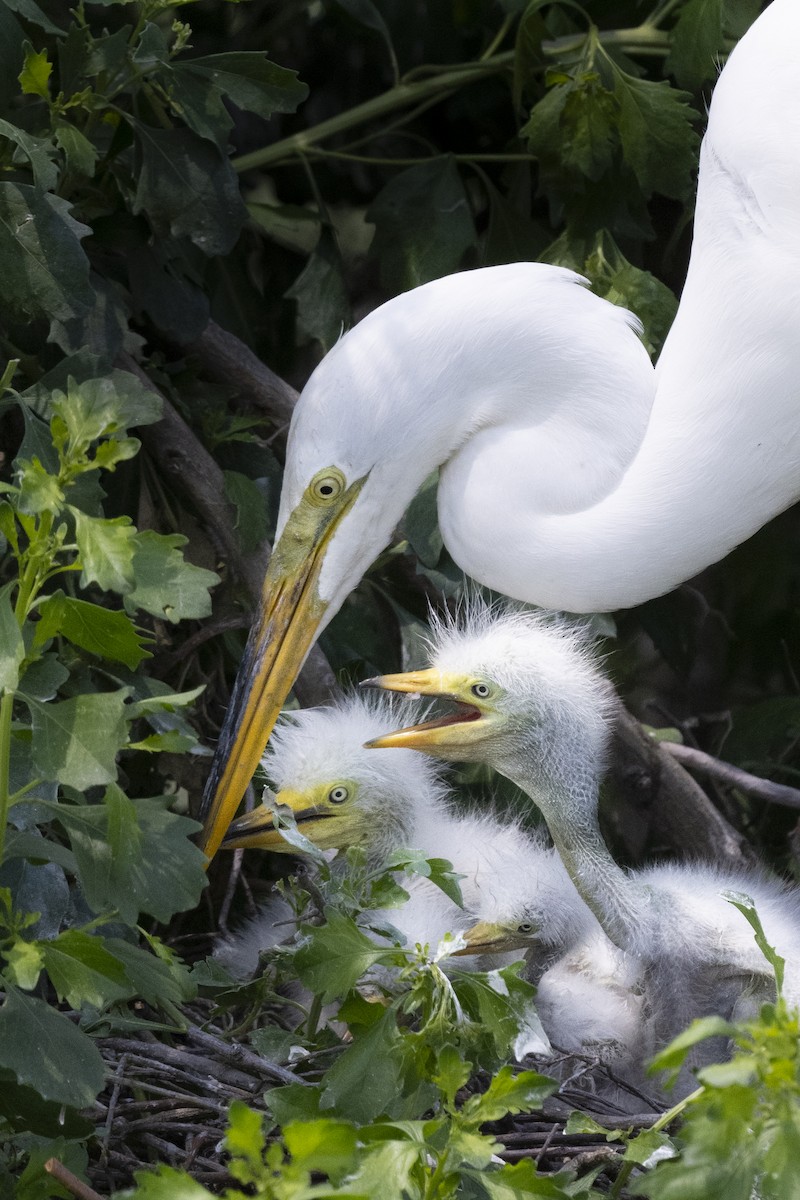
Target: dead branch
226,359
657,793
726,773
70,1181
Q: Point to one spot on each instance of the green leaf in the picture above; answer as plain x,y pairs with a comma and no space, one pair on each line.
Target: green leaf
108,634
164,583
45,270
82,970
334,956
30,11
672,1056
249,80
79,152
163,982
696,42
187,188
657,135
39,152
251,509
323,309
747,908
103,407
423,224
452,1073
134,856
510,1093
47,1052
325,1145
25,963
43,678
39,491
366,13
367,1080
168,1183
106,547
12,647
76,741
34,77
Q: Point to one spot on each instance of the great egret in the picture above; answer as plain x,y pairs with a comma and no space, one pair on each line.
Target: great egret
532,702
572,475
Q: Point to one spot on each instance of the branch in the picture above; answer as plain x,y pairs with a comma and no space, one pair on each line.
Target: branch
672,807
226,359
70,1181
726,773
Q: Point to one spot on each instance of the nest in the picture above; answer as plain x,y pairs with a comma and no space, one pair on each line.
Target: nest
168,1104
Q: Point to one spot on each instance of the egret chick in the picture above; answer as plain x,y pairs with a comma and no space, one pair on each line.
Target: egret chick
531,700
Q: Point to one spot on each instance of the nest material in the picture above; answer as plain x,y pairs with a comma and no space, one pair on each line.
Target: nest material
169,1103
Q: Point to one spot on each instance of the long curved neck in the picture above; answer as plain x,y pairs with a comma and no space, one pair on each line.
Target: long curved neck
721,453
622,905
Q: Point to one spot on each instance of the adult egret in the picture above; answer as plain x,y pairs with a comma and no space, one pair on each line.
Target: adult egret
531,700
559,485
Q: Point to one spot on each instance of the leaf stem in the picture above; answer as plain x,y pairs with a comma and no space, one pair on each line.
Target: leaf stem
6,709
397,97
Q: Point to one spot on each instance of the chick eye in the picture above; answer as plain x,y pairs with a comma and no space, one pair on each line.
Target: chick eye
327,486
481,690
338,795
525,927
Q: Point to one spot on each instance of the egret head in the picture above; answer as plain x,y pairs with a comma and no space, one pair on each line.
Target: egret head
339,793
420,379
530,698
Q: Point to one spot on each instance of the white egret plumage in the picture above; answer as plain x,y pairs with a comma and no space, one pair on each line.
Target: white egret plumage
513,884
532,702
572,474
343,795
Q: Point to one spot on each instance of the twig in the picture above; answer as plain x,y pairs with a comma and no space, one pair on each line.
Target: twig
651,782
70,1181
723,772
240,1056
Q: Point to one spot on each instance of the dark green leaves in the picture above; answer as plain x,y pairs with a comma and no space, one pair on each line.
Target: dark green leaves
46,272
76,741
134,856
98,630
249,80
187,188
47,1052
335,956
423,225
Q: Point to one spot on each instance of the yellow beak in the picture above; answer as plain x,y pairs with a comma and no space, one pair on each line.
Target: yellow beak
483,938
439,735
258,830
284,630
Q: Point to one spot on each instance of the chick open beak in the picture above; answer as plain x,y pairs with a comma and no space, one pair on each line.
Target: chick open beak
288,620
442,732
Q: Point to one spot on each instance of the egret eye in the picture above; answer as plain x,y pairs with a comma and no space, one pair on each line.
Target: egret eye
326,486
338,795
481,690
525,927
